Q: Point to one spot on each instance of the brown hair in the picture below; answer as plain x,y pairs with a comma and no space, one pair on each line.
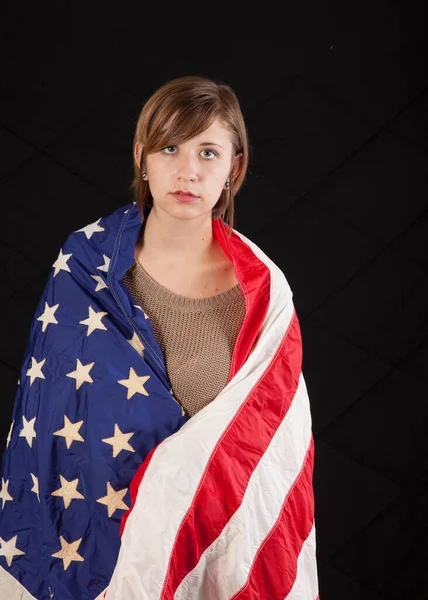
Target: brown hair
181,109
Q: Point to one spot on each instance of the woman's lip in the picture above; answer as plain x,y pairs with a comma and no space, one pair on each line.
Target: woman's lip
184,197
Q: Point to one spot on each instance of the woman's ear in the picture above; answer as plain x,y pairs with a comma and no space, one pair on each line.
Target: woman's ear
236,167
137,152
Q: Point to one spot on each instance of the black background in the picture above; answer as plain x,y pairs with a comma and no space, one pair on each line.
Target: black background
335,97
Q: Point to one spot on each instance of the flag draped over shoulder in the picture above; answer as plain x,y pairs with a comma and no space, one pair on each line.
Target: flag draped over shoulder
109,490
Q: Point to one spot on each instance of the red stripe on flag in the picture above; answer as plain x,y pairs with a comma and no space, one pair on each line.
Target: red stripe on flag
254,278
134,485
233,460
270,577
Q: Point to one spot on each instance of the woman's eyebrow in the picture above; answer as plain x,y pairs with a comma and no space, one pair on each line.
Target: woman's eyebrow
210,144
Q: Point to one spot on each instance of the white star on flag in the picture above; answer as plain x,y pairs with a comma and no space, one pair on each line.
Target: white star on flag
35,487
135,384
90,229
35,370
9,550
106,264
100,283
137,344
68,491
28,430
70,432
81,374
48,316
9,435
61,263
119,441
141,308
4,493
94,321
68,552
113,500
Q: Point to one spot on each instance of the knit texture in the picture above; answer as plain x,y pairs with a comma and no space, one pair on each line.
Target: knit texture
196,336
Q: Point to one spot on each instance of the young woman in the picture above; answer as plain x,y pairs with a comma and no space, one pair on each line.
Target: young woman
161,443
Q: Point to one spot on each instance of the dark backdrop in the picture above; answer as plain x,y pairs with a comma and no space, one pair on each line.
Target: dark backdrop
335,97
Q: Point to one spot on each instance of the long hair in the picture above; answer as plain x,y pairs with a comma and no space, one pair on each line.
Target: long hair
179,110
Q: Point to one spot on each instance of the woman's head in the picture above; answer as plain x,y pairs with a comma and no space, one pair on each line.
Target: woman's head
172,127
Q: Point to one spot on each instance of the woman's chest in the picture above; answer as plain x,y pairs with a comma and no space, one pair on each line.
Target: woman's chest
193,283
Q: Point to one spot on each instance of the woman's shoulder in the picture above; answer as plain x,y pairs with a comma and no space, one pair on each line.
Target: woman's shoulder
97,233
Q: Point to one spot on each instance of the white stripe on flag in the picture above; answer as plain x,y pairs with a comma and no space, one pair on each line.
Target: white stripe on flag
155,519
11,589
224,567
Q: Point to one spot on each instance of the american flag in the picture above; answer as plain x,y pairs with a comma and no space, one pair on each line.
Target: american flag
109,490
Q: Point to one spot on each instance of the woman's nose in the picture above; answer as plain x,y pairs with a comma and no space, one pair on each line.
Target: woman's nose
188,165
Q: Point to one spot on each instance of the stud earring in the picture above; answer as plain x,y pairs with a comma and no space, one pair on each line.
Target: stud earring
227,184
143,174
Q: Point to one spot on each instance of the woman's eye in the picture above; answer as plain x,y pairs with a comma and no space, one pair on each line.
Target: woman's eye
206,150
212,151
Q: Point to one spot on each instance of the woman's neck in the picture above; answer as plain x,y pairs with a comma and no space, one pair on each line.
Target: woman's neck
168,244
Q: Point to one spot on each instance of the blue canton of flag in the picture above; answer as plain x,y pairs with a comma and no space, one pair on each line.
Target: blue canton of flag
93,399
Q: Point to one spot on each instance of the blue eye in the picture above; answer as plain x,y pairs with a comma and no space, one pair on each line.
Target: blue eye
212,151
206,150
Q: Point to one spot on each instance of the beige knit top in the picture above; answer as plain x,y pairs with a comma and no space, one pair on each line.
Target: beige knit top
196,336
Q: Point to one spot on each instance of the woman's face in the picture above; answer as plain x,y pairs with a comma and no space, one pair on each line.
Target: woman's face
201,165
